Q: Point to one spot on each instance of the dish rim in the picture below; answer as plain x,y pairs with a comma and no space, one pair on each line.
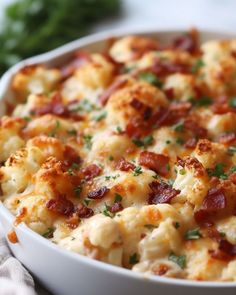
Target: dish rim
56,53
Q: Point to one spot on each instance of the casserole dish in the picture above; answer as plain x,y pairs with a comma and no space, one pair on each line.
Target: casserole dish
63,272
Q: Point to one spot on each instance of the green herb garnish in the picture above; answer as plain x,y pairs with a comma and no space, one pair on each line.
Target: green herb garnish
232,150
137,171
88,141
49,233
197,66
232,102
101,116
78,190
146,141
55,129
202,101
180,260
179,141
133,259
150,78
72,132
118,198
218,171
179,127
192,234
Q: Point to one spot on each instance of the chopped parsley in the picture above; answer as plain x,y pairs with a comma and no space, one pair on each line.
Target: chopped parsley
87,201
88,141
72,168
182,171
49,233
119,129
179,127
150,78
232,150
233,169
179,141
202,101
107,178
115,176
232,102
127,69
133,259
78,190
107,212
192,234
222,234
100,117
137,171
118,198
72,132
27,119
110,158
197,66
180,260
84,106
53,132
177,225
218,171
168,142
146,141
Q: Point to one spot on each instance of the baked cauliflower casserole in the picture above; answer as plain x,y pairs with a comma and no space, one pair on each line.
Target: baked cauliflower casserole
129,156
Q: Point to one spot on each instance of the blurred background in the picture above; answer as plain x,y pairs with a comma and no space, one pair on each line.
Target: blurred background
29,27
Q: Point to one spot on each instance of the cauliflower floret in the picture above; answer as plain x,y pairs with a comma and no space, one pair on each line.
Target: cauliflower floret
35,80
119,108
106,144
219,66
89,80
229,272
210,153
98,237
228,227
132,47
162,240
200,265
49,125
221,124
165,142
182,86
160,267
18,170
10,138
49,146
134,223
33,102
192,180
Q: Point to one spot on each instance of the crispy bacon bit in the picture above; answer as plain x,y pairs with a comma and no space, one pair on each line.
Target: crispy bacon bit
173,114
187,42
227,247
110,90
91,171
124,165
55,107
147,113
191,143
136,104
161,193
84,212
116,207
161,270
192,163
162,67
98,193
169,93
213,202
137,128
81,57
61,205
71,156
193,126
156,162
227,138
12,237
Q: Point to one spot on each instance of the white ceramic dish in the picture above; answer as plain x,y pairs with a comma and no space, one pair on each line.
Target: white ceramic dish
67,273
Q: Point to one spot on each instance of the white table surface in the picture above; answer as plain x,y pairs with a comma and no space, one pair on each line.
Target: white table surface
210,14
